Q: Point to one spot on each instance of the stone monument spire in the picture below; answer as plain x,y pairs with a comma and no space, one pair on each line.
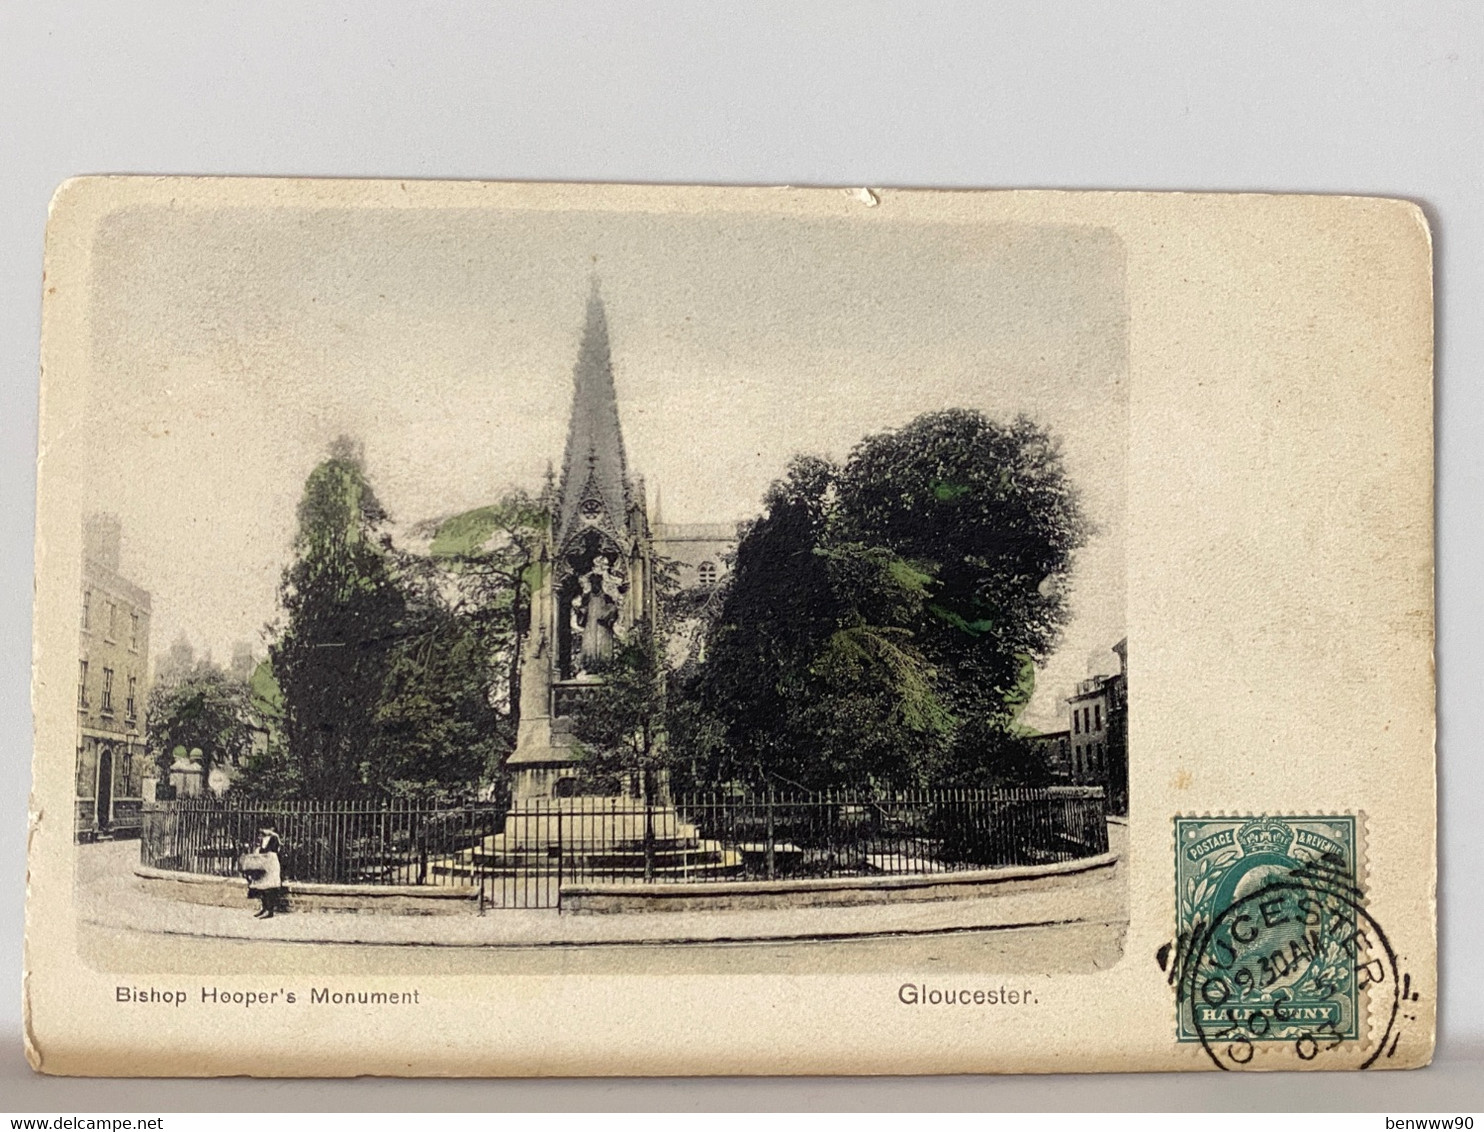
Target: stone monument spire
595,480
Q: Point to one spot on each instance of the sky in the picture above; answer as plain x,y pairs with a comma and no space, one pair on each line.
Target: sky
231,346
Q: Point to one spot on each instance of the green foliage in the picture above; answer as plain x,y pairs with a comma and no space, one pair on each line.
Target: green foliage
199,707
812,676
485,567
999,545
884,619
392,671
267,772
988,511
620,721
475,536
344,614
266,696
436,722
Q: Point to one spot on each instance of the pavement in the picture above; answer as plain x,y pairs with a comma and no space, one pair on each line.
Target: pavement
110,897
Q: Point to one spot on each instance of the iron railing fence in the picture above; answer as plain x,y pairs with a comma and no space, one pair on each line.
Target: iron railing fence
522,857
851,834
372,842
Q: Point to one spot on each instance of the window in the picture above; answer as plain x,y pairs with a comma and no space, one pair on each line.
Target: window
706,572
129,703
1076,722
1097,717
113,616
82,683
134,631
87,606
107,704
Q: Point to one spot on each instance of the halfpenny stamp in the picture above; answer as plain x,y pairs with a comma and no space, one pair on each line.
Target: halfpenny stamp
1275,947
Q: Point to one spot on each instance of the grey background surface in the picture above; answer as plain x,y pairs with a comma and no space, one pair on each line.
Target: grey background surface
1356,97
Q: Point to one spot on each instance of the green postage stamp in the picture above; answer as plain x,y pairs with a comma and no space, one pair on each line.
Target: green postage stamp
1268,917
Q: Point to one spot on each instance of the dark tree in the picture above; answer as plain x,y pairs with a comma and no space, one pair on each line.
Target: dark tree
393,672
445,719
987,512
883,621
487,569
345,613
812,678
436,727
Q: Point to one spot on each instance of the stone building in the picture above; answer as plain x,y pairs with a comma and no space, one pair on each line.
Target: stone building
1089,704
1099,732
112,687
698,557
699,553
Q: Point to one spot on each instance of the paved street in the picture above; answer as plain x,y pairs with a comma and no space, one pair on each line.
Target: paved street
1072,926
1054,948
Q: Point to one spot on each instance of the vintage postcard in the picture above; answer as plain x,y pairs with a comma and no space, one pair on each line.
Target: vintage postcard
511,629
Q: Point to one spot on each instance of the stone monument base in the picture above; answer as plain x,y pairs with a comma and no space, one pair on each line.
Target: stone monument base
597,838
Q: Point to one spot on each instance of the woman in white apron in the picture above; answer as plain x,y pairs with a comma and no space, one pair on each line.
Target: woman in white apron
264,875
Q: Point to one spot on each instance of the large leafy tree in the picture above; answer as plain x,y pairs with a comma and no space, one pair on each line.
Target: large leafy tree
812,677
444,721
392,672
484,563
884,619
986,511
345,613
446,718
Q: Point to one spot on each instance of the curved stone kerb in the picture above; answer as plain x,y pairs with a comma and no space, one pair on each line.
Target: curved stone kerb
717,895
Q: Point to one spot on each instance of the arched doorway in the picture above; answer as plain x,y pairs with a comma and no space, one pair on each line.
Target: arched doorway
105,788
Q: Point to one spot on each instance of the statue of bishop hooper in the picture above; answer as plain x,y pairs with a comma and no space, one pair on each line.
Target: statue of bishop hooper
595,612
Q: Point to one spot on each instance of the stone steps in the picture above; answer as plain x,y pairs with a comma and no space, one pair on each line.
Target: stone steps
592,838
720,865
497,848
707,858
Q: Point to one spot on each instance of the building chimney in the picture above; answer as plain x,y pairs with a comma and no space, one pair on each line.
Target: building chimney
243,661
102,535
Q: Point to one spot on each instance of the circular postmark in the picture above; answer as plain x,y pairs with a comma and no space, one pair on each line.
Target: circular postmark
1292,970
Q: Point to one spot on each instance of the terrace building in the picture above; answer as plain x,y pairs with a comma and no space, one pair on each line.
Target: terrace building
1099,732
112,688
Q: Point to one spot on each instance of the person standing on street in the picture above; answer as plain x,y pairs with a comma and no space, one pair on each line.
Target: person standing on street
264,872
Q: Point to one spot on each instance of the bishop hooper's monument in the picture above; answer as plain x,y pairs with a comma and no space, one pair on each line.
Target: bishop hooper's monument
597,577
596,584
